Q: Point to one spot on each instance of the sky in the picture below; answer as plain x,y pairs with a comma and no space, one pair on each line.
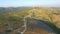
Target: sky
17,3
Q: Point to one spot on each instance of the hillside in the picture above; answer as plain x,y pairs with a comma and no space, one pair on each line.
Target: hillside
47,14
13,19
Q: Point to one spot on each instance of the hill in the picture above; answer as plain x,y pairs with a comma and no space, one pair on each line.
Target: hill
12,18
47,14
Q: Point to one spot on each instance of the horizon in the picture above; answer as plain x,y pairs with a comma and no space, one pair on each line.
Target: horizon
29,3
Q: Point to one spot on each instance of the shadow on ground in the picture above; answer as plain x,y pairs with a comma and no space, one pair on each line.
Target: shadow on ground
35,26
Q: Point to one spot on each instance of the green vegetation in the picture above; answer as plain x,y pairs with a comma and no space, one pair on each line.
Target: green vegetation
14,19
